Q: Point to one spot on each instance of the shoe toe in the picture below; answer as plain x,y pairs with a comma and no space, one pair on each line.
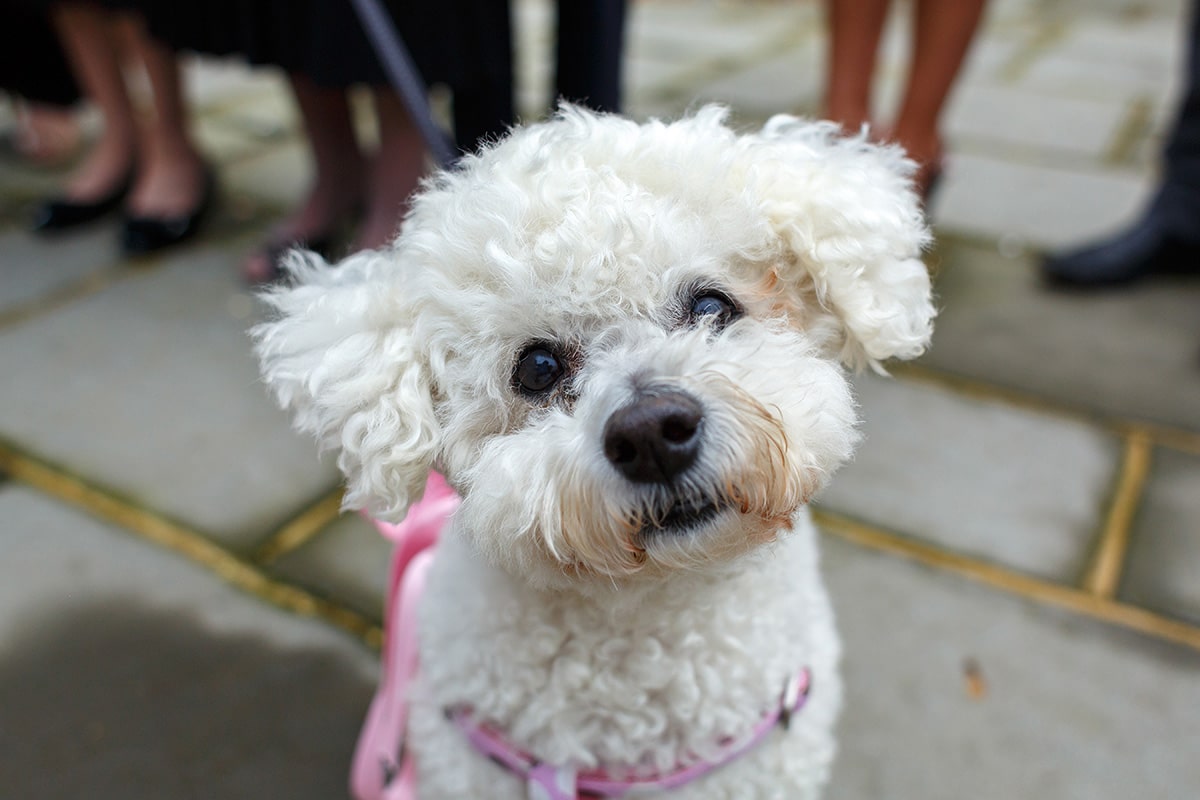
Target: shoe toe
141,235
144,235
60,215
46,217
1123,259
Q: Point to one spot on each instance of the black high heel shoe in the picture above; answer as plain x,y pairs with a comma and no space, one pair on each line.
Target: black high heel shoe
144,235
59,214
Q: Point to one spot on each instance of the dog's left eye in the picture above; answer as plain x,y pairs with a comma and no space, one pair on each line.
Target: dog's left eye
538,369
713,306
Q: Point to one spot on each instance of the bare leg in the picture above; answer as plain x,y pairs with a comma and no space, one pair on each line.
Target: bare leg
170,180
340,174
88,39
943,33
854,29
339,166
398,168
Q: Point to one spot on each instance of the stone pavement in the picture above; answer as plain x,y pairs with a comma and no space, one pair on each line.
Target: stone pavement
1013,555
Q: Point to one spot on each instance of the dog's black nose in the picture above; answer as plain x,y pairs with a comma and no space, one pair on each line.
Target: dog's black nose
655,437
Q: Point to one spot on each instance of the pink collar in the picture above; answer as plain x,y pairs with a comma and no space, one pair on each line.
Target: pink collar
383,770
566,783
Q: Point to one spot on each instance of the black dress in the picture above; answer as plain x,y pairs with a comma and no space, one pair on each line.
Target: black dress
32,63
462,44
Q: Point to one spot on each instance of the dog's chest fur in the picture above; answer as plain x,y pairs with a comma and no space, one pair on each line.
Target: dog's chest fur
651,675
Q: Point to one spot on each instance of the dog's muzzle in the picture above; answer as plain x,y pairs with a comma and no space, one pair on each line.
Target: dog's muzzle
655,438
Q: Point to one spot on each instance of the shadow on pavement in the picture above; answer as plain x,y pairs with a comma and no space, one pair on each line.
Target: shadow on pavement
118,701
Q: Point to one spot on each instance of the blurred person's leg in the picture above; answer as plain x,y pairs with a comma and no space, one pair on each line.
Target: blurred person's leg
855,27
589,49
89,41
171,178
943,30
1166,238
339,178
397,168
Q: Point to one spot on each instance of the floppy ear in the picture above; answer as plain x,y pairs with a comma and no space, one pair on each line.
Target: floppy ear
340,356
846,210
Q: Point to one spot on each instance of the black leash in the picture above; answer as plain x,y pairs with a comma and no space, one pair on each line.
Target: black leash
405,78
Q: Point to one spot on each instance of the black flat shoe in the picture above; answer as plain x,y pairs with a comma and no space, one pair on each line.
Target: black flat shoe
144,235
59,214
1148,248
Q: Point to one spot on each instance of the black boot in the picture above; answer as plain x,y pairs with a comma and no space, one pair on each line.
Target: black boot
1158,244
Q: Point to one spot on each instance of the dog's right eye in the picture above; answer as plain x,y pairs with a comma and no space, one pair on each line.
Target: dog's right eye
538,369
714,306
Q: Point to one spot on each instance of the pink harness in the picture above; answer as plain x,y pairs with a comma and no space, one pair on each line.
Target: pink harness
382,770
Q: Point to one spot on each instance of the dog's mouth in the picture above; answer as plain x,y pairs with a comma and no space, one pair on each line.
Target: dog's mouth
682,514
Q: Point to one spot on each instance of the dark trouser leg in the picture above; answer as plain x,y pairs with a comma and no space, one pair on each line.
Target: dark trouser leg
1167,237
588,52
484,107
1179,199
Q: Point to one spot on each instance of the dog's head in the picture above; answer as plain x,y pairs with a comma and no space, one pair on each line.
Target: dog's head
623,344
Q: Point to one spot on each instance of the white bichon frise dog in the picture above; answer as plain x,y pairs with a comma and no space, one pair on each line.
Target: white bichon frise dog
625,346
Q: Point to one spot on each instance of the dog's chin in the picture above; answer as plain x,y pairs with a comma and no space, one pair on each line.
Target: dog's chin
683,516
705,533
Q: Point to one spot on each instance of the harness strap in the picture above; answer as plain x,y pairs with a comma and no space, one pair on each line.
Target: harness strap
380,769
547,782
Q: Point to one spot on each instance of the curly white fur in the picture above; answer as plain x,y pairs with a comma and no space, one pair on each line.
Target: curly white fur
557,609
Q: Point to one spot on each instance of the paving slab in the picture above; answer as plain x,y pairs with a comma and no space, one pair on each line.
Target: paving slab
995,196
149,388
1145,152
1000,115
1130,353
1097,77
347,561
980,478
715,31
648,80
1144,46
127,672
788,83
1129,10
955,690
1164,556
989,57
741,54
533,31
33,267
